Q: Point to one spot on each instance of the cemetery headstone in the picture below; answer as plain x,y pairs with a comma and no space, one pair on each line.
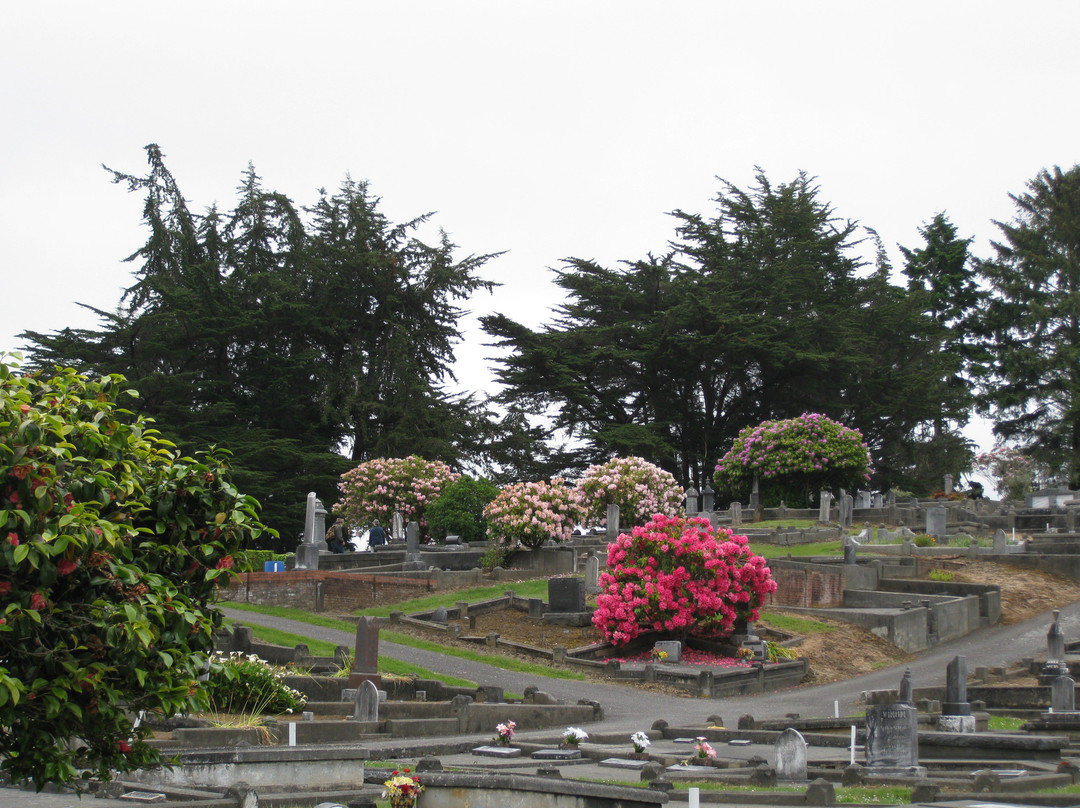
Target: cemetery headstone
903,695
862,499
366,706
935,522
755,499
672,648
1063,695
309,518
1001,540
612,522
439,615
955,710
846,507
397,527
877,501
566,595
736,514
892,732
307,556
947,481
707,497
366,653
1055,653
825,507
592,575
536,607
850,546
319,539
691,501
412,547
789,755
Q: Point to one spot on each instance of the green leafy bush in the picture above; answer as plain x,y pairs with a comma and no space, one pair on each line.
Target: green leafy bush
459,510
112,549
941,575
243,683
924,540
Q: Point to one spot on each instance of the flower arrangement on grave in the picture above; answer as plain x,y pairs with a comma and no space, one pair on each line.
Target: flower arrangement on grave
703,749
532,513
681,577
659,655
640,741
745,654
402,789
638,487
377,488
793,458
573,736
504,733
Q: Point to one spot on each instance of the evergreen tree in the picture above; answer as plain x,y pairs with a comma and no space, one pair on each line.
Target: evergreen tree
291,342
1030,373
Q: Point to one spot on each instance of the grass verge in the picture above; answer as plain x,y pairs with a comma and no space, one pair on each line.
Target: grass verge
526,589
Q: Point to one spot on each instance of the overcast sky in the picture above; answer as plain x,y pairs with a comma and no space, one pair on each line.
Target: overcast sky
545,129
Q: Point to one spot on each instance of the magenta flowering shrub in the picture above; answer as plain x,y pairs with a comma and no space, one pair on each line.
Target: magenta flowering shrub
375,489
532,513
793,458
638,487
681,577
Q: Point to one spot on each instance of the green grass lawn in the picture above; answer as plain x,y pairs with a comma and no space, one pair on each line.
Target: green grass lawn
536,588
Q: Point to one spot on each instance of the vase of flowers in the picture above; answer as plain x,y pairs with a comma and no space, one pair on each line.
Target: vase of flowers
504,733
641,742
704,750
402,789
573,736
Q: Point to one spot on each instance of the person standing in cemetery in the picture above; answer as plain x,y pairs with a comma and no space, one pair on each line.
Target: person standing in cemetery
376,535
335,537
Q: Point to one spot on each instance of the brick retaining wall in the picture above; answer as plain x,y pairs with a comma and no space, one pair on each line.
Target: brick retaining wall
326,591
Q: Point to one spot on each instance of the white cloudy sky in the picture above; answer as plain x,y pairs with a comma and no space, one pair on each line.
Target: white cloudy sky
546,129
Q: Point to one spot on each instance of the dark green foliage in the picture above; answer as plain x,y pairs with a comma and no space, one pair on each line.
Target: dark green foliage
112,548
1030,371
289,339
459,510
759,313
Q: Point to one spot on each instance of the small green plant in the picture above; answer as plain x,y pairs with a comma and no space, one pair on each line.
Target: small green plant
244,684
496,555
923,540
998,723
941,575
962,540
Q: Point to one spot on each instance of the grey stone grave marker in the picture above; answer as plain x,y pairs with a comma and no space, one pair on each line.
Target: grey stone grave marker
412,547
736,514
789,755
708,498
892,733
439,615
1063,695
612,527
556,754
690,498
592,575
497,751
955,710
877,501
366,654
366,706
850,547
846,506
825,507
1055,653
307,557
1001,540
862,499
673,649
935,522
397,527
623,763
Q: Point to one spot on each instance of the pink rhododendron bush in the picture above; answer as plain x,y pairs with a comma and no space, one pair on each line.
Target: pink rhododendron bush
638,487
532,513
375,489
681,577
794,458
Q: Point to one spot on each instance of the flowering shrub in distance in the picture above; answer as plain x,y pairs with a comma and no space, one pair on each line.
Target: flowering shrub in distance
532,513
375,489
681,577
1013,472
244,683
638,487
794,457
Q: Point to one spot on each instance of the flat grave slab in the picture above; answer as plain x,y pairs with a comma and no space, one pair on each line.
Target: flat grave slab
143,796
739,742
497,751
680,767
623,763
557,754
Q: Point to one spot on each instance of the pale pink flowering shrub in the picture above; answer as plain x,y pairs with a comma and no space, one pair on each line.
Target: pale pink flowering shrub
638,487
375,489
793,458
680,577
532,513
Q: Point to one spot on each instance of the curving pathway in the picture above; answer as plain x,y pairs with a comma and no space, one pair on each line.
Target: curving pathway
627,708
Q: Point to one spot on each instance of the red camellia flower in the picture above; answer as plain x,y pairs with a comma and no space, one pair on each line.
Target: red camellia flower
14,497
225,563
123,746
5,588
24,408
37,601
13,539
66,567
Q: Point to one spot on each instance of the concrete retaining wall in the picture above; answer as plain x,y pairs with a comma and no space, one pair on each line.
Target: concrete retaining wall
324,590
454,789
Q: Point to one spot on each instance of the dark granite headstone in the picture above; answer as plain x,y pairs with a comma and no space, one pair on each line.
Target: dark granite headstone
892,736
956,702
566,595
366,654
